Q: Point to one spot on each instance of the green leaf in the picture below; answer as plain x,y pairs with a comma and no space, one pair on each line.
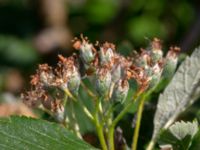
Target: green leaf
182,91
179,135
181,129
195,142
33,134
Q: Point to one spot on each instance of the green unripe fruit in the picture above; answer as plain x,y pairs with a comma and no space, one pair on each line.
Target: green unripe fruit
106,55
116,72
170,63
86,53
103,81
154,75
120,91
74,81
156,56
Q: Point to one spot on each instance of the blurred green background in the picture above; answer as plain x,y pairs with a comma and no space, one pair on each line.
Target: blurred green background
35,31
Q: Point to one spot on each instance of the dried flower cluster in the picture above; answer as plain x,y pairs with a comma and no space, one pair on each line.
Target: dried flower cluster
108,71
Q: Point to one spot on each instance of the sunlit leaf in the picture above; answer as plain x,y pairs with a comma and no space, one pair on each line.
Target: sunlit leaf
182,91
34,134
179,135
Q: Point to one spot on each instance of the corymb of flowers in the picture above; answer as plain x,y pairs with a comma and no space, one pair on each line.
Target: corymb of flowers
107,72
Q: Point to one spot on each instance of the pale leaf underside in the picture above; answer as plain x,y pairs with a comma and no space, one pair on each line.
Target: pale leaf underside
182,91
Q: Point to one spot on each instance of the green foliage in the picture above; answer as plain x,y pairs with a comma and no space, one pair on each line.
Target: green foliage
195,142
181,129
179,94
180,135
101,11
145,26
33,134
16,51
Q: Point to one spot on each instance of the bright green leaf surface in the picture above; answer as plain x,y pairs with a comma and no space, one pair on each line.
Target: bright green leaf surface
23,133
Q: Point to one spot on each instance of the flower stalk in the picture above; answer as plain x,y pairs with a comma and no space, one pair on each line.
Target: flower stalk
138,122
99,126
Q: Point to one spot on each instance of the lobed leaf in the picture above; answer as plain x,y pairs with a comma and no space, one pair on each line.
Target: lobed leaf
181,129
182,91
180,135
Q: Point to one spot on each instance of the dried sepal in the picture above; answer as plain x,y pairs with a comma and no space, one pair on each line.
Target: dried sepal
32,98
44,76
87,50
139,75
68,75
58,110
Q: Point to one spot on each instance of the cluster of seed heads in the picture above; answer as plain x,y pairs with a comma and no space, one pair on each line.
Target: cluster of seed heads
106,69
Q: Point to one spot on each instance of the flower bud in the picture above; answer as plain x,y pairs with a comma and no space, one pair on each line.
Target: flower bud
106,53
120,91
68,72
87,51
74,81
143,59
170,62
103,81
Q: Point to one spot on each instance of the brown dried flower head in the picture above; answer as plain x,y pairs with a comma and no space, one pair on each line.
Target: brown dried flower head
108,71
